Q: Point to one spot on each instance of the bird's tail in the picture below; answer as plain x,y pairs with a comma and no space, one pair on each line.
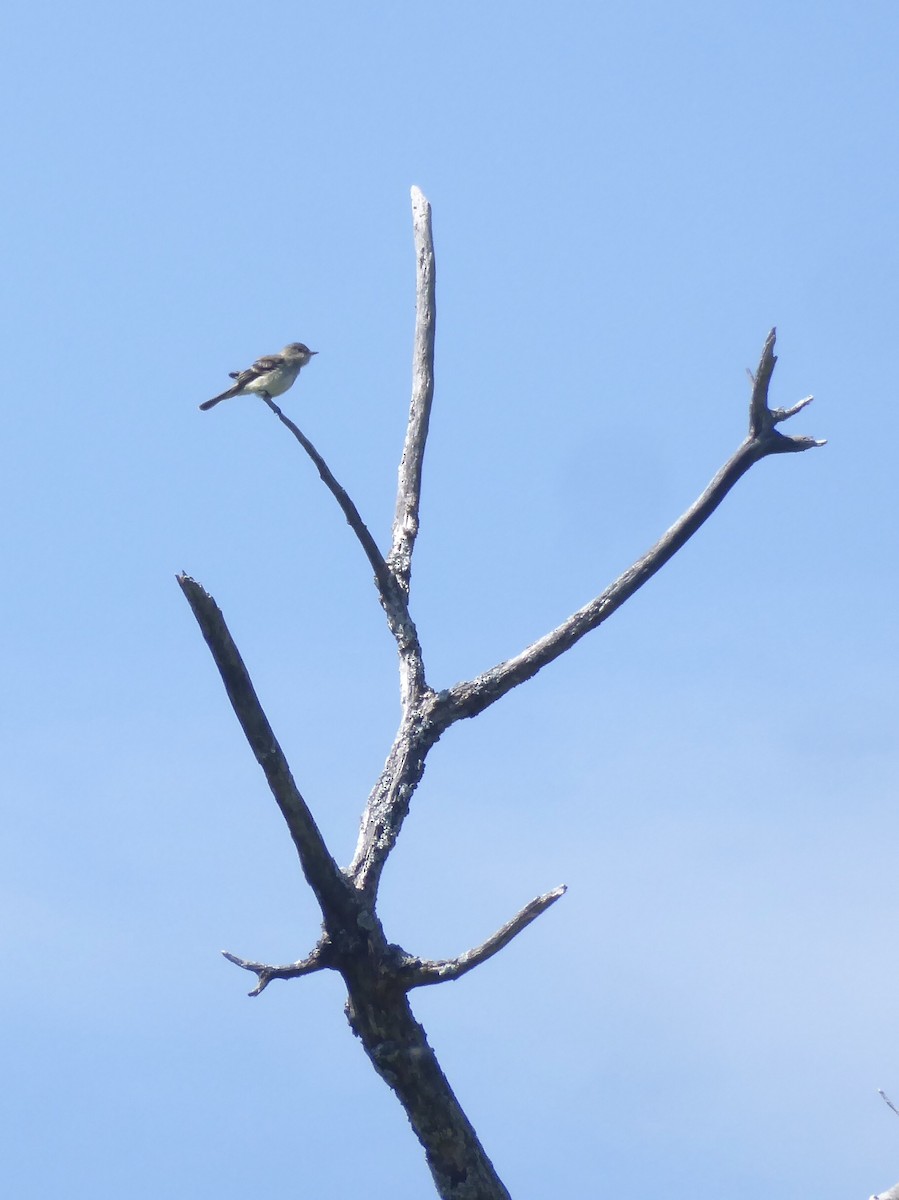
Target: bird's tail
234,391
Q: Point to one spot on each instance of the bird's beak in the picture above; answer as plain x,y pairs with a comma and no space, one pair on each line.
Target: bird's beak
311,352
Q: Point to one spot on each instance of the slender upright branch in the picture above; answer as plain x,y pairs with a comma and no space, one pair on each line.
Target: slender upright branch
760,422
408,499
468,698
392,575
331,888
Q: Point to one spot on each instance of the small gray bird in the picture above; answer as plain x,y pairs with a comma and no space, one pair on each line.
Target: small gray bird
268,376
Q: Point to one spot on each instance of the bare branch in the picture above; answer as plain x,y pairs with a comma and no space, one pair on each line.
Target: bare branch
762,419
318,960
468,698
424,972
388,804
383,578
391,594
784,414
759,415
405,523
331,888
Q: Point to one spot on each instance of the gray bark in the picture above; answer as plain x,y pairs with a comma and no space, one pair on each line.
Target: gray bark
379,975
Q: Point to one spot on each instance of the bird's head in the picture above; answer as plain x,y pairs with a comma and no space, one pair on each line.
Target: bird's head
297,350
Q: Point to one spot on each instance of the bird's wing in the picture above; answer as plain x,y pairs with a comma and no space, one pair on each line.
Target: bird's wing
261,366
267,363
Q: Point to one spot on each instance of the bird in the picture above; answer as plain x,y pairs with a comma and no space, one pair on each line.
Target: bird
269,376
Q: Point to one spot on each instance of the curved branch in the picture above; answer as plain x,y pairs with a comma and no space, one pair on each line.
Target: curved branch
332,890
468,698
408,498
422,972
383,577
390,592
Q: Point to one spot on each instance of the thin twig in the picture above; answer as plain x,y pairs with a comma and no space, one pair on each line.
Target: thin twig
408,499
383,578
331,888
391,594
888,1101
422,972
784,414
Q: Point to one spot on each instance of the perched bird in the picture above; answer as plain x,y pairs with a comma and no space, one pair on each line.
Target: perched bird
268,376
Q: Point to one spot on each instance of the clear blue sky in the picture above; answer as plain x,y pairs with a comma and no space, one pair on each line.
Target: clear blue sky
626,198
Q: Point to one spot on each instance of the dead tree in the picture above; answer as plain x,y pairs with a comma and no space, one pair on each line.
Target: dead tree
378,974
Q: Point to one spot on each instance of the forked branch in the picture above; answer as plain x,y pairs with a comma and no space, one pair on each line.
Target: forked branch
470,697
389,801
319,960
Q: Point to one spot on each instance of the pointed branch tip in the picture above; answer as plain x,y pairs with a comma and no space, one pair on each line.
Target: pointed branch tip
422,972
318,960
